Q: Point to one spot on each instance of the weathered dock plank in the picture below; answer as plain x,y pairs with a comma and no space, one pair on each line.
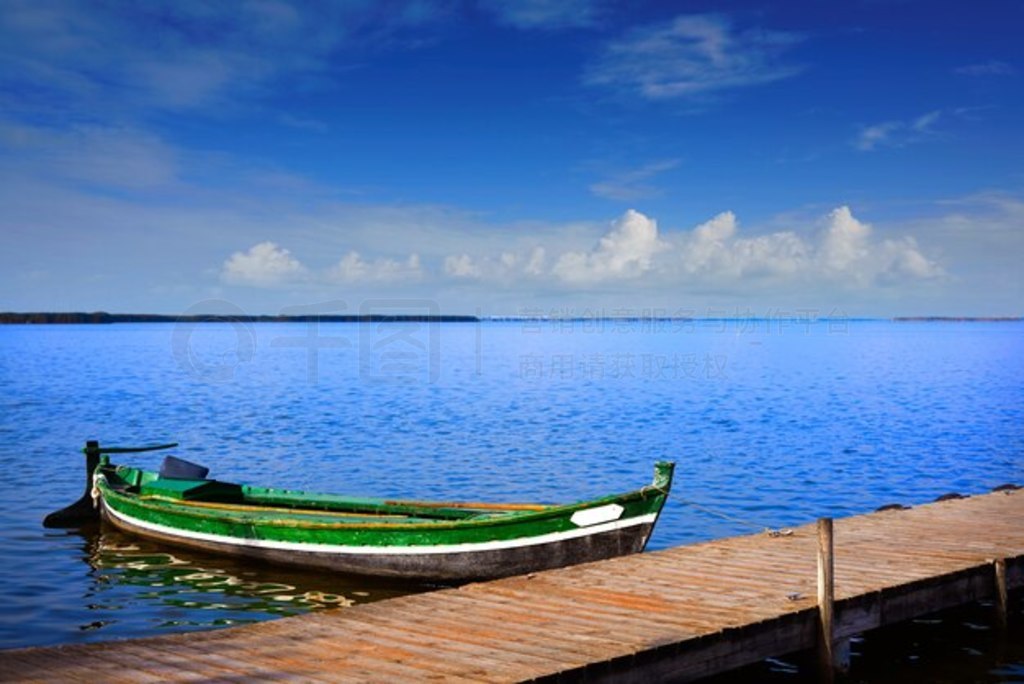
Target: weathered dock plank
683,613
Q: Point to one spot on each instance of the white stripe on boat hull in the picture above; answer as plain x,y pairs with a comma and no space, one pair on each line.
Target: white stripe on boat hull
337,549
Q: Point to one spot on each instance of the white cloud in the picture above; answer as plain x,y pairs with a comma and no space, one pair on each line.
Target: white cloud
461,266
692,55
872,136
193,79
717,230
544,14
925,122
626,251
630,184
903,258
990,68
265,265
186,55
845,241
966,261
982,237
535,262
708,247
714,252
109,156
841,251
781,255
354,269
849,252
897,133
508,267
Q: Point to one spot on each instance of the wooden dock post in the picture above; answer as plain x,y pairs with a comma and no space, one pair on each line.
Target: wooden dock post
1002,594
826,599
833,654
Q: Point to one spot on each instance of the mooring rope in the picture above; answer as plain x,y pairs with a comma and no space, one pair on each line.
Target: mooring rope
770,531
653,488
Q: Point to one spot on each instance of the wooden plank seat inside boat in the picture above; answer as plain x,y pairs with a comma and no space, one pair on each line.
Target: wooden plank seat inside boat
198,490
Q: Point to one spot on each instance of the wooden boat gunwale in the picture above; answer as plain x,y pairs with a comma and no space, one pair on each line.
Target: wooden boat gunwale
187,508
495,514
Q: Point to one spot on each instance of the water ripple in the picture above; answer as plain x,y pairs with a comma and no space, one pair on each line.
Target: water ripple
771,427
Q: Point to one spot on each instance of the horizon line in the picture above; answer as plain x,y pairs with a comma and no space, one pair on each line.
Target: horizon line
103,317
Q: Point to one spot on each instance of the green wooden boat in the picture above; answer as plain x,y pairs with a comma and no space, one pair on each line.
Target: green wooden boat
431,541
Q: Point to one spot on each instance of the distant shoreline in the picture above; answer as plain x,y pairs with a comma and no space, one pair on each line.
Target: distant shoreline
958,319
107,318
102,317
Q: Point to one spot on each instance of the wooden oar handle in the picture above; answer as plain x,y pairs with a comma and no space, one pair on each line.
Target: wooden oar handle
128,450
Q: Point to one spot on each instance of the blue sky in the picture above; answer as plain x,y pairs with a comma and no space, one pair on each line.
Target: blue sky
860,158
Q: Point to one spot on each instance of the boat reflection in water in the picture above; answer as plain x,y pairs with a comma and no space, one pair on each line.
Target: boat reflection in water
142,588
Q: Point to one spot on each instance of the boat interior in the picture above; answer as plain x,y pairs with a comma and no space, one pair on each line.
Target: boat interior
230,499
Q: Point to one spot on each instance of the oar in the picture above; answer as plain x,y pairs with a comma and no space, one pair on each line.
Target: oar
83,510
127,450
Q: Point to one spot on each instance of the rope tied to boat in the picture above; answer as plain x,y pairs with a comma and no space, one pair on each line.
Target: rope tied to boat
770,531
95,491
652,488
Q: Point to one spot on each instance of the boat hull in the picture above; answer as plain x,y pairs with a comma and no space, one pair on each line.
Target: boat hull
454,563
417,540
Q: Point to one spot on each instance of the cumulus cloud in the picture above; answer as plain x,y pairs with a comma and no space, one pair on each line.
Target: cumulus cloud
848,250
844,242
461,266
837,251
843,251
714,251
897,133
499,268
707,248
264,264
267,264
691,55
535,262
626,251
354,269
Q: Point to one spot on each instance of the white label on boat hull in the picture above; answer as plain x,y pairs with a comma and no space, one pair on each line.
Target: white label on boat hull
596,516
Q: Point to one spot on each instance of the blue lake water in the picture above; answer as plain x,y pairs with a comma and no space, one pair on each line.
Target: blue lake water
772,423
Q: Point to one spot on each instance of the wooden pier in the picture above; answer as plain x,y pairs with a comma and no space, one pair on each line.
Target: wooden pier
678,614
